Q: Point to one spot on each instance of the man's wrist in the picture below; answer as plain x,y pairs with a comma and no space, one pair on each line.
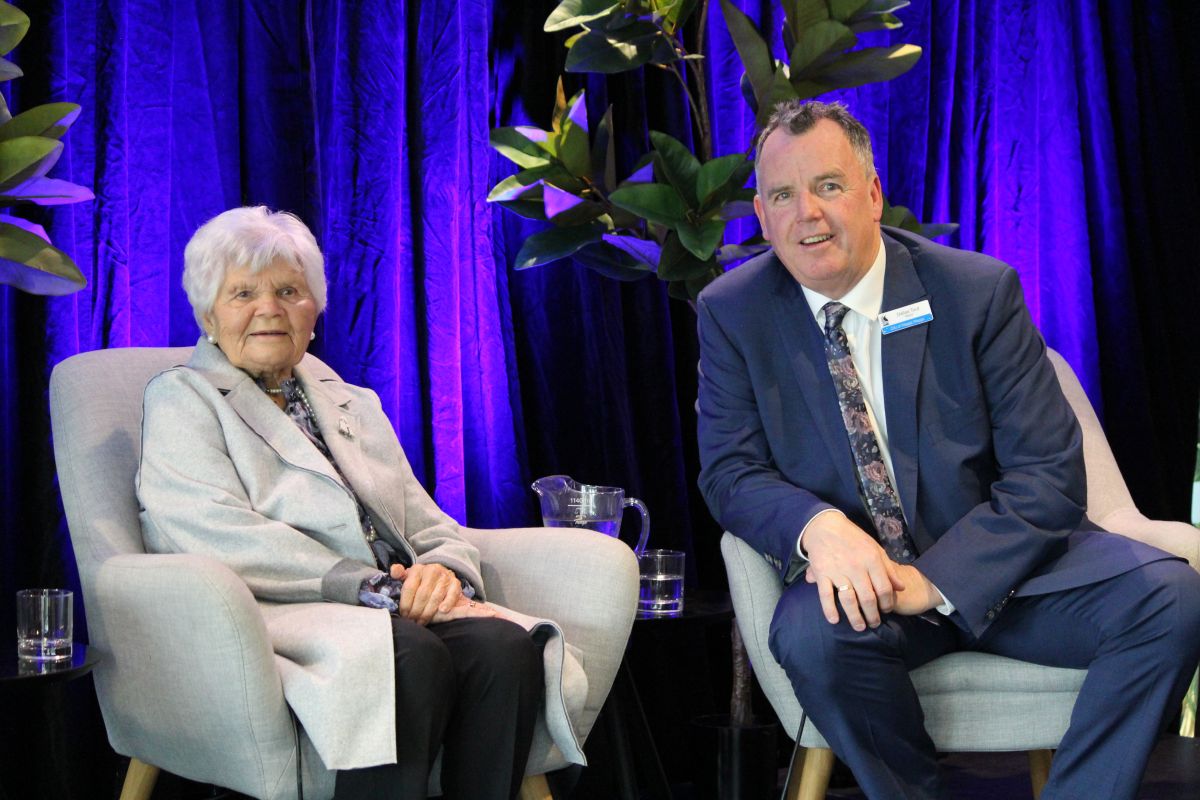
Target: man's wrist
800,539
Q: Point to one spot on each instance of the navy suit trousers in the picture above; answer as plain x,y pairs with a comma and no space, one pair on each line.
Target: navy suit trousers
1137,634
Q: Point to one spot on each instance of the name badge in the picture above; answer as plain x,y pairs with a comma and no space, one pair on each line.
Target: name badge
907,317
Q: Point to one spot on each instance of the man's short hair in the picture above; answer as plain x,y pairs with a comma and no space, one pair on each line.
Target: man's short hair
798,117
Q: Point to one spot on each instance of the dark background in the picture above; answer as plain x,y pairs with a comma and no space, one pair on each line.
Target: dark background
1060,135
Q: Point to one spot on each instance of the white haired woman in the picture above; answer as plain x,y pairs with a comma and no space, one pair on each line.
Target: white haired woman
301,487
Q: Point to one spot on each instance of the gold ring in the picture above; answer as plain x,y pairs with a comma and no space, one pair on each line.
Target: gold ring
471,603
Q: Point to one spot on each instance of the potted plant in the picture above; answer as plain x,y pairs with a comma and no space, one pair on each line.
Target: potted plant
668,217
29,146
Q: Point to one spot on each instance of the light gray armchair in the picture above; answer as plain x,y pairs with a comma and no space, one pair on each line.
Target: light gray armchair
972,701
222,718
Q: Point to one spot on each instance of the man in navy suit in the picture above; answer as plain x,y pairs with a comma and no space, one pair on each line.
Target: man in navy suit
931,495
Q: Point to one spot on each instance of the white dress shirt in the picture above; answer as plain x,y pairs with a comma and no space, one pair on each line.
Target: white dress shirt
865,338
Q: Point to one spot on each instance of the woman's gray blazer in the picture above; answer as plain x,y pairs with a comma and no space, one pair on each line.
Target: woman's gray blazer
225,474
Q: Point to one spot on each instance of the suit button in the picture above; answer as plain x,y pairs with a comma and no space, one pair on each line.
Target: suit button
990,614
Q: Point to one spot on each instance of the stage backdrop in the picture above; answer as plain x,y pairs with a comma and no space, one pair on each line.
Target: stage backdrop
1058,133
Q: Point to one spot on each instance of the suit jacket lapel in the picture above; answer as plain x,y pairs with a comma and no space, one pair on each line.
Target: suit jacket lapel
258,412
805,348
338,420
903,354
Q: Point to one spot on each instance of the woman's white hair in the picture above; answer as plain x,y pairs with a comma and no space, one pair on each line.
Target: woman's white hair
253,236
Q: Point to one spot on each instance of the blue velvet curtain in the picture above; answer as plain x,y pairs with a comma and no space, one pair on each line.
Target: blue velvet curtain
1053,131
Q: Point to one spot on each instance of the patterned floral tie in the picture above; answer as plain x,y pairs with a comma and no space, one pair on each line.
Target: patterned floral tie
874,484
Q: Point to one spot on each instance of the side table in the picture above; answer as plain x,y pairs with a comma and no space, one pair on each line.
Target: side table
624,718
40,722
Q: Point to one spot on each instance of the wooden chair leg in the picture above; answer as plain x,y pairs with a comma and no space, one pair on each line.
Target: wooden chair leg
1187,717
534,787
814,778
139,781
1039,770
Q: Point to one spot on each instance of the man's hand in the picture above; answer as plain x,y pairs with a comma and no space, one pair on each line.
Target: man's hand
851,569
918,594
430,591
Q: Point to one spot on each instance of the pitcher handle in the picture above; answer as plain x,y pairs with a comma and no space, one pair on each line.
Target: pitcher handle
645,512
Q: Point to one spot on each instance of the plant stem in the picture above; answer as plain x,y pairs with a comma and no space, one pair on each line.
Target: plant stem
703,122
687,90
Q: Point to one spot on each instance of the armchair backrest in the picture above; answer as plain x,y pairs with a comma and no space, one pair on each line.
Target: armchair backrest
96,417
1106,489
96,414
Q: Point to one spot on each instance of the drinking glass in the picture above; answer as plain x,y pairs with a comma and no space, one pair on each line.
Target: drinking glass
45,621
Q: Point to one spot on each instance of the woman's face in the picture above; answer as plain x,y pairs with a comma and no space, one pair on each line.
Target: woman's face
264,322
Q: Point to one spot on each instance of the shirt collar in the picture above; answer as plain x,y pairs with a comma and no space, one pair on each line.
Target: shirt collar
865,298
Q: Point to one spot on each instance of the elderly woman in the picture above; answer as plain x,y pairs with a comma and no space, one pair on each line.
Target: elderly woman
301,487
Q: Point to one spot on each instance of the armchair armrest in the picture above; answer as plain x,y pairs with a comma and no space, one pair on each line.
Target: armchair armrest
187,675
1178,538
584,581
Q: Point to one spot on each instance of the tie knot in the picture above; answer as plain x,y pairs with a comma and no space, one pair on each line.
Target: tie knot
834,313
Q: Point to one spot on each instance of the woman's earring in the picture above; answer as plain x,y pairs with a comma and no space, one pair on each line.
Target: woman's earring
312,336
211,339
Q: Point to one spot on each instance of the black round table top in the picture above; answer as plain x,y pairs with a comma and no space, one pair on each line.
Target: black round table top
13,670
698,607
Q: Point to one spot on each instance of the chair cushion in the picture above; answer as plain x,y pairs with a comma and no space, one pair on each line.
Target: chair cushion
972,701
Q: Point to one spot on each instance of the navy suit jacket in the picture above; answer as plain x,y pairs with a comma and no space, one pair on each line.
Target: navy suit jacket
986,451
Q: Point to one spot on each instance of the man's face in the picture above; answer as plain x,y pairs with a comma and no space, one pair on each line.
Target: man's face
818,208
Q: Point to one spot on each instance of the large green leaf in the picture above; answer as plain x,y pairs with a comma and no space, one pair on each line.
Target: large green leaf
515,186
751,48
519,198
595,51
736,252
870,65
553,244
678,263
701,240
604,156
719,178
9,70
567,209
50,120
799,16
655,202
878,7
736,209
571,13
781,91
25,158
827,35
678,165
646,251
883,22
31,264
573,149
14,24
522,193
643,170
46,192
677,14
842,10
612,262
509,142
664,51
